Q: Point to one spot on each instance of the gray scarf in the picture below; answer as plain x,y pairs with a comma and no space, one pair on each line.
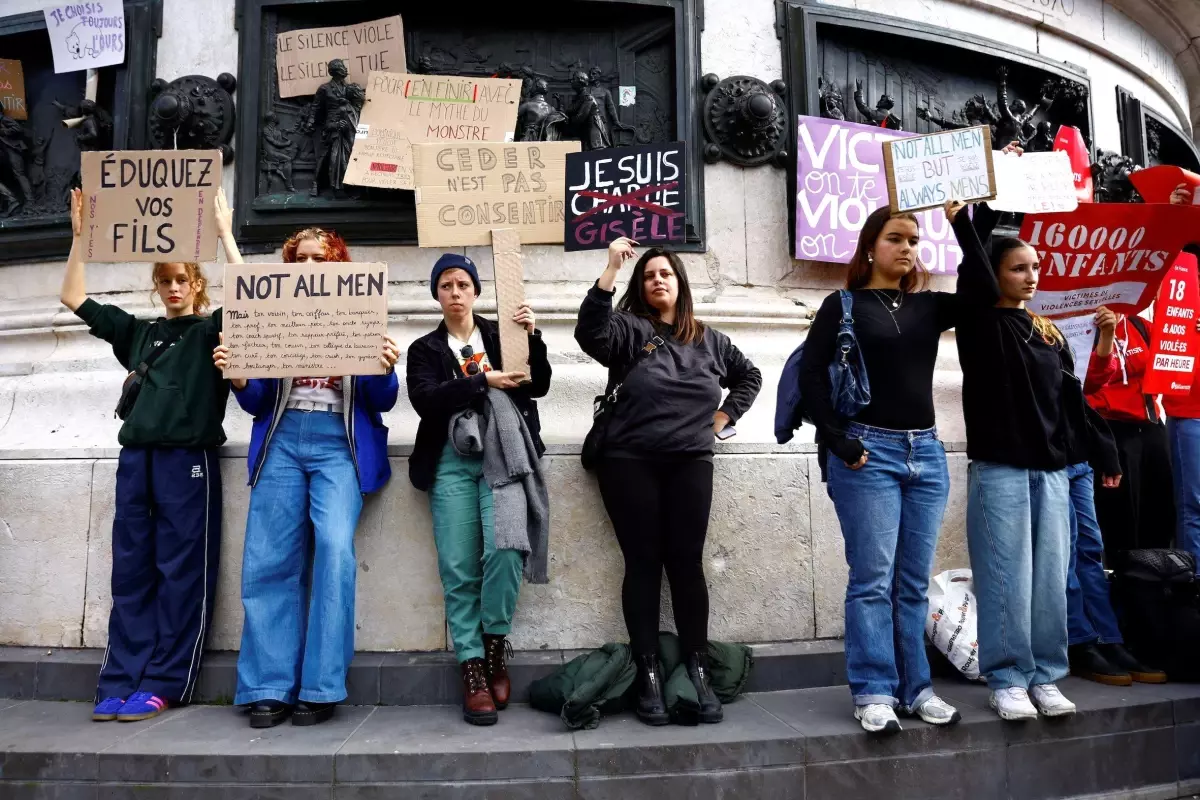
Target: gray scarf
510,466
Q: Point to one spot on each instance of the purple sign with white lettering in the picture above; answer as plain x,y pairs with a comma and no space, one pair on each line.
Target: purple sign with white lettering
840,181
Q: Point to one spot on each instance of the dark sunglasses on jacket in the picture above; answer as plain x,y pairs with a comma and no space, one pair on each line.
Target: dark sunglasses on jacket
468,353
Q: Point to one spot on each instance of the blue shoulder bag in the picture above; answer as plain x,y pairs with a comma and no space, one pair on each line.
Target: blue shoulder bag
851,391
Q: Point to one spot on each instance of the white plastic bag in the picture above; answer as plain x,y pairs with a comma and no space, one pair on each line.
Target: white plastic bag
952,622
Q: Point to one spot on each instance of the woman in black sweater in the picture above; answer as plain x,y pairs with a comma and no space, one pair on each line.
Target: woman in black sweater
656,470
887,470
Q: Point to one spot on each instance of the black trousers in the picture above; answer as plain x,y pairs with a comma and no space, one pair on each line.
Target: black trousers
659,510
1140,513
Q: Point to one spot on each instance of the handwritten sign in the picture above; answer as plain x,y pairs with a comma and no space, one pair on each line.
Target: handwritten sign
1034,183
510,294
1176,344
86,35
305,319
12,89
625,191
926,171
464,192
402,109
839,181
1080,333
302,57
150,205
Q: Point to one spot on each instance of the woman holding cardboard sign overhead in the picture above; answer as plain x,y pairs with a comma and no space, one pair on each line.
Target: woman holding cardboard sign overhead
477,454
167,526
319,444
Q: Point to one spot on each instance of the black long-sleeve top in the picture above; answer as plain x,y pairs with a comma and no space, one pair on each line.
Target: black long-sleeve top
667,404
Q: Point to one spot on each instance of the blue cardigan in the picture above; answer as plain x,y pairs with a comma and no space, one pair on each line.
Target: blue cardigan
366,398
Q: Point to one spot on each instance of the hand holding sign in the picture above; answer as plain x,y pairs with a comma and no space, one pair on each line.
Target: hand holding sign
1182,195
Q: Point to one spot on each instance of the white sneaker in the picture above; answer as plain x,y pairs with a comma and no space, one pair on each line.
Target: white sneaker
1050,700
877,718
936,711
1012,704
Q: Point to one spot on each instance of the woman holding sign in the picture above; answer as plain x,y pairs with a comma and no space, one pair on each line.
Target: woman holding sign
669,371
167,525
454,377
318,445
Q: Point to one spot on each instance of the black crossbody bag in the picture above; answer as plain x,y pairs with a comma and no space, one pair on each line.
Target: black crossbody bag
134,380
604,405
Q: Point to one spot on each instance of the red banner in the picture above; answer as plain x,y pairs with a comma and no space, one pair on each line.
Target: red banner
1156,184
1176,343
1106,254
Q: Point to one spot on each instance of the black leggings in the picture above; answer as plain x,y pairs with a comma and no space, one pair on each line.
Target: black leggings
659,510
1140,512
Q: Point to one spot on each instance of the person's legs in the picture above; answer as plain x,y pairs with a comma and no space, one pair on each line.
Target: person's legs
458,534
502,570
1115,507
1088,555
1079,626
687,496
1156,498
1049,494
1185,463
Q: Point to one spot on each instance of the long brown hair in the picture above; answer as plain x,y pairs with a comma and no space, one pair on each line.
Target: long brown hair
195,275
859,273
1045,328
687,329
334,245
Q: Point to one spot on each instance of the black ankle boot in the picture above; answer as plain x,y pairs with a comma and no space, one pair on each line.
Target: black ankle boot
1089,663
710,706
652,706
1119,656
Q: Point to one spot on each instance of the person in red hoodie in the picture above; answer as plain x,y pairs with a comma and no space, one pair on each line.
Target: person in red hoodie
1140,512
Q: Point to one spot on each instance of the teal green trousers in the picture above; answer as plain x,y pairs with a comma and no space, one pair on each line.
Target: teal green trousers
480,583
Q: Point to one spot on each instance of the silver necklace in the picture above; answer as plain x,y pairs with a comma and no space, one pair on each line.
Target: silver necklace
895,304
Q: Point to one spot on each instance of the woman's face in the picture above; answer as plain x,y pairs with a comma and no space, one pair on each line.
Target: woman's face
310,250
895,251
175,289
456,293
660,284
1018,274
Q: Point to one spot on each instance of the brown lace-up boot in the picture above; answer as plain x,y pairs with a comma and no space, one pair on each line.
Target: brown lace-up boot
478,708
497,648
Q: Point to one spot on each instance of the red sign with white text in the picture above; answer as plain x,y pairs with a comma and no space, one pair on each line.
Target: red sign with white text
1106,254
1176,343
1071,142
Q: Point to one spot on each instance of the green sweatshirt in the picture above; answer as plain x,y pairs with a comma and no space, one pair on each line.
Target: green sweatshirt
182,401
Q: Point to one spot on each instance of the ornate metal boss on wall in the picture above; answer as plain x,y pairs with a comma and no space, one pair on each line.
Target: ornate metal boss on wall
39,156
745,121
193,113
605,73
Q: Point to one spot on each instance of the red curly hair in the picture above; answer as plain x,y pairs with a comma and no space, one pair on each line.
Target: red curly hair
334,245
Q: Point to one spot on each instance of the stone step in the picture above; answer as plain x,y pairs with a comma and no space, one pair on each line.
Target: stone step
1140,742
392,679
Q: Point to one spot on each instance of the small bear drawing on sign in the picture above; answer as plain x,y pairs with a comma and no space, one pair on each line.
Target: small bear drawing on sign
76,47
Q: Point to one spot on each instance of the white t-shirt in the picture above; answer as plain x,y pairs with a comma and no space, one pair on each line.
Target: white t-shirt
478,353
317,390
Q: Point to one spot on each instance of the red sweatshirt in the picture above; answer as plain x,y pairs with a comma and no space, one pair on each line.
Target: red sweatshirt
1114,385
1184,406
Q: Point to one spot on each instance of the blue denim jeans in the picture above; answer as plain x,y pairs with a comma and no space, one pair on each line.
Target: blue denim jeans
1090,615
298,567
1185,464
890,511
1019,538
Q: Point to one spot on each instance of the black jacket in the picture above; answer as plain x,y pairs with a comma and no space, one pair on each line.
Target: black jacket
438,389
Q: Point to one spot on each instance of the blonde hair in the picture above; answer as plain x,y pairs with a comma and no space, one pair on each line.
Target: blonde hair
200,300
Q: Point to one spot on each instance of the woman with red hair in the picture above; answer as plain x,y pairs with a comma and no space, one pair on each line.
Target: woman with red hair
319,444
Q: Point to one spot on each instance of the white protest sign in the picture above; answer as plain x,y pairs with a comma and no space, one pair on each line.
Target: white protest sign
926,171
1080,333
1034,183
86,35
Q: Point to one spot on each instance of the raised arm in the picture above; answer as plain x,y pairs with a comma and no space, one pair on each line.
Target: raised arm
600,333
224,216
74,285
977,284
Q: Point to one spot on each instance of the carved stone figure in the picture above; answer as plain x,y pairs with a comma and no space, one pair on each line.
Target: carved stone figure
882,114
954,123
1042,140
37,164
14,148
833,106
1015,116
1110,174
537,120
334,110
94,131
279,152
593,115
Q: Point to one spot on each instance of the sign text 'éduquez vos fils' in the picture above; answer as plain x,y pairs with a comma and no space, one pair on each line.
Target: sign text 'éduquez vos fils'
150,205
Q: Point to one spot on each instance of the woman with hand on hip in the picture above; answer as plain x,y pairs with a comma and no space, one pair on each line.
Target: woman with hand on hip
318,445
656,468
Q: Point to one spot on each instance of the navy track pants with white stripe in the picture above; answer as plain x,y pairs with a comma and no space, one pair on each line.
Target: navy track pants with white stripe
166,546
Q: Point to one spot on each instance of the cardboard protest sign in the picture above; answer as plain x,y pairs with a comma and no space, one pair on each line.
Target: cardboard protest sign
1156,184
1176,344
150,205
86,35
288,320
926,171
402,109
12,89
1034,183
510,294
840,181
1106,254
625,191
1070,140
464,192
302,57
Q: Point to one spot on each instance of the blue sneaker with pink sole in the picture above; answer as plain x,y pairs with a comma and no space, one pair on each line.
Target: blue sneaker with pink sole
140,706
106,710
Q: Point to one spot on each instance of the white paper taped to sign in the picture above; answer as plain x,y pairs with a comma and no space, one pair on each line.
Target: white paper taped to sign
926,171
1034,183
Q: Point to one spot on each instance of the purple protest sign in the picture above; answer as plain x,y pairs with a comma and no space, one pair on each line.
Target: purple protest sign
840,181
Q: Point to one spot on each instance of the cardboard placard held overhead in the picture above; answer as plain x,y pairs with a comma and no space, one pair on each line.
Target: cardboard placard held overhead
926,171
510,294
402,109
465,191
86,35
290,320
1034,183
12,89
150,205
625,191
302,57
